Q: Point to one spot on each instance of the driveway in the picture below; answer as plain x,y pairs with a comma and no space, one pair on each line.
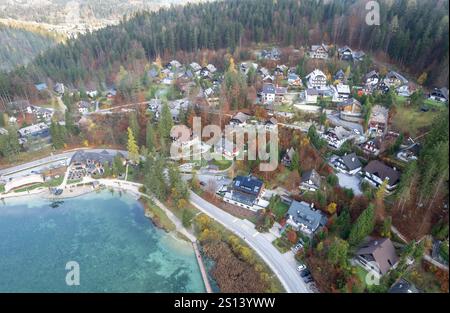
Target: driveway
282,266
335,120
350,182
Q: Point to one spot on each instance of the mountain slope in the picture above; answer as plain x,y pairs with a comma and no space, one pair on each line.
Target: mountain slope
414,34
20,46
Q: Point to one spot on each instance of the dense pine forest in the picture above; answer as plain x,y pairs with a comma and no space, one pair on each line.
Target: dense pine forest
413,34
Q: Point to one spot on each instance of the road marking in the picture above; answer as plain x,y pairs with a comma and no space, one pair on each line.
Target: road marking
235,220
255,234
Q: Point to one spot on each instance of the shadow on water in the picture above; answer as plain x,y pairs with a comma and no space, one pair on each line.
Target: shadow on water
56,204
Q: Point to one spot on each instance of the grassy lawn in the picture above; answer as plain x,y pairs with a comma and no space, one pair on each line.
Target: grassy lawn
282,244
280,209
54,182
2,188
400,99
221,164
31,187
411,120
434,103
284,108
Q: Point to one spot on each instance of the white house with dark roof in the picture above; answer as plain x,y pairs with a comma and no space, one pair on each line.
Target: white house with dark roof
319,52
304,218
378,255
376,172
316,79
439,94
394,79
310,180
349,164
245,192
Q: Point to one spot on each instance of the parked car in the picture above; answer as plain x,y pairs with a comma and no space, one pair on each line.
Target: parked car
308,279
202,183
301,267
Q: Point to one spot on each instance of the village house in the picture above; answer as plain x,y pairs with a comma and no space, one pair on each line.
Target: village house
59,88
372,147
350,110
319,52
288,156
372,78
382,87
316,79
196,68
337,137
304,218
41,86
410,153
378,121
378,255
270,124
42,114
439,94
358,56
239,119
174,65
394,79
345,53
349,164
273,94
341,92
311,95
403,91
310,181
85,163
274,54
376,172
294,80
246,192
37,130
83,106
245,67
340,76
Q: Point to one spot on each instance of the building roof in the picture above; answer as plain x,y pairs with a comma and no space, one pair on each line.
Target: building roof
33,129
394,74
268,89
315,73
348,102
351,161
240,117
323,46
383,171
311,175
383,252
248,184
83,157
371,74
302,213
341,88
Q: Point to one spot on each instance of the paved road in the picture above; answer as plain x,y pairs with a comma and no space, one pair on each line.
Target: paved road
335,120
285,270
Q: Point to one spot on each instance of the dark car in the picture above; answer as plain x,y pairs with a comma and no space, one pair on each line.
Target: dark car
308,279
305,273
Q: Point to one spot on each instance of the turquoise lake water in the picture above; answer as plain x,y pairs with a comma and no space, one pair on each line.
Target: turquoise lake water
117,248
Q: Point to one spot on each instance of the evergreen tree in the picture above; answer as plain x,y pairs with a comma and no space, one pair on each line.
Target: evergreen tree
363,226
133,150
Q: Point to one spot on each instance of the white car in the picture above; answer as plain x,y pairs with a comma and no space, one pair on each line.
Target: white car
301,267
357,131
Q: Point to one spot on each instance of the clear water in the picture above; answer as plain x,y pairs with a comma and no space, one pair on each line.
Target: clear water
117,248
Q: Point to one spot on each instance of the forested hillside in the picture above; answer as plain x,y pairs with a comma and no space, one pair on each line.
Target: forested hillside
20,46
412,33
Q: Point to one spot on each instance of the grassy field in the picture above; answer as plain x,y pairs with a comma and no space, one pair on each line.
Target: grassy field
282,244
280,209
412,120
221,164
158,216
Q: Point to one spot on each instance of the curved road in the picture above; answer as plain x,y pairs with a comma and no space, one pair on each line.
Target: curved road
279,264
